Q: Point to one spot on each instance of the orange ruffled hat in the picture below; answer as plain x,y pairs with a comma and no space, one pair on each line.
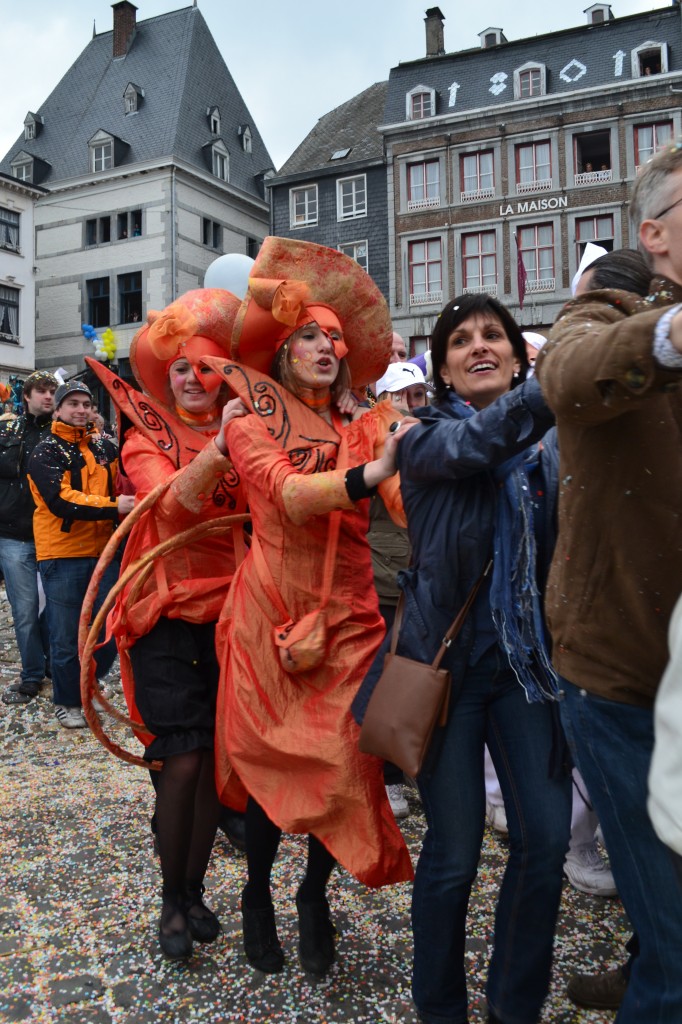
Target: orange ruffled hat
198,323
287,277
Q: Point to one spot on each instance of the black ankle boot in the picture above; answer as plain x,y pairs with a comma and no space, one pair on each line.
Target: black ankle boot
203,925
261,944
175,944
315,936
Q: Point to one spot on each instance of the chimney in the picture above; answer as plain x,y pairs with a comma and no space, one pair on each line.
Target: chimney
124,27
435,44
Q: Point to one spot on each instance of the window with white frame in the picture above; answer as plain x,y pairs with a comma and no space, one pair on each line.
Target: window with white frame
598,229
213,115
533,167
536,247
425,266
9,229
477,176
220,160
423,185
420,102
592,158
351,197
30,130
303,206
479,262
132,98
649,138
357,251
101,155
9,313
245,132
651,58
529,81
23,171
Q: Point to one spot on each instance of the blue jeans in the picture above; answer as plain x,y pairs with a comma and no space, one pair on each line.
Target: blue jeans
491,709
20,569
612,745
65,581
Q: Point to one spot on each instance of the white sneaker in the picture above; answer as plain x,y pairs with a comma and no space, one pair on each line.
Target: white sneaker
70,718
397,800
497,818
587,871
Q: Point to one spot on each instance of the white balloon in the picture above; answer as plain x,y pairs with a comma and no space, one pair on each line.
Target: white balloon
231,272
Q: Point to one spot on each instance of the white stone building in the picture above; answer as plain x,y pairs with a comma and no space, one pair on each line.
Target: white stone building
17,277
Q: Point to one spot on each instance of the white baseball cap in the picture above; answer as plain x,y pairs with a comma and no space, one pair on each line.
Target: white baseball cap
399,376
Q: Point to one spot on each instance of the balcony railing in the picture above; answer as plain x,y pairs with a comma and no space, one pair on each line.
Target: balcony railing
476,195
545,284
594,177
426,298
541,185
423,204
480,289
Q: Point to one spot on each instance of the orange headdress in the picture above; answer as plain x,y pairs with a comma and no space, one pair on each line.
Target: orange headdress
198,323
293,283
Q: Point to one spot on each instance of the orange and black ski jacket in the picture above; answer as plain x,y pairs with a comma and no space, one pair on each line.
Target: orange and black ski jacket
72,475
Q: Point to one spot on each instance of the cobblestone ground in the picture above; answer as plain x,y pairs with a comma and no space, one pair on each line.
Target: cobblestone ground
79,904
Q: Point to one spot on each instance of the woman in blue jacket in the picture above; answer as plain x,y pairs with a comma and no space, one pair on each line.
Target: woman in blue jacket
479,482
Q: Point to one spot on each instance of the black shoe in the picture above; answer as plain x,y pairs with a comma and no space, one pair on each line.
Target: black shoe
315,936
175,943
233,826
603,991
203,925
261,944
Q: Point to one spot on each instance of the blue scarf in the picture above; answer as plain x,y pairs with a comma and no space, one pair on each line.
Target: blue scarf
514,596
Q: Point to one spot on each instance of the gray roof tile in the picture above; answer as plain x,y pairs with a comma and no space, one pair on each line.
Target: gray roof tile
175,60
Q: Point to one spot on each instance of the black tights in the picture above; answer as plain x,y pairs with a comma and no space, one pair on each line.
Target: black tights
262,842
187,811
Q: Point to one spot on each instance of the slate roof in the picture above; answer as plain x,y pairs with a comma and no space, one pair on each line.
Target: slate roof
175,60
353,125
593,48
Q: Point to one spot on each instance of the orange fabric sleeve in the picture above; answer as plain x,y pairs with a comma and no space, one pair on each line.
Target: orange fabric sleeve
147,466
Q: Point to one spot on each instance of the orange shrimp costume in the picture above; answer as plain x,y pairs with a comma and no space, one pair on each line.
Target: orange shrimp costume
289,740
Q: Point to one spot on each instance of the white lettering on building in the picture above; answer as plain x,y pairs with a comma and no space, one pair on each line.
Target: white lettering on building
535,206
574,70
453,93
618,67
499,80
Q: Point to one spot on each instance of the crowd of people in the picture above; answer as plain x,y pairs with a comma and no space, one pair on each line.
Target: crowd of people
304,455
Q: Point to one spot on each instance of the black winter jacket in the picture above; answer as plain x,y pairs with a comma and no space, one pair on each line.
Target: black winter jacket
450,497
18,438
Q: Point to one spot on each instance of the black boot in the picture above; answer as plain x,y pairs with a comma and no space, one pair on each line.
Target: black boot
204,926
261,944
231,824
315,936
176,943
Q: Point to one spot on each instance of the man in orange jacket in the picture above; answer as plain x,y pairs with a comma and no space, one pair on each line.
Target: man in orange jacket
72,475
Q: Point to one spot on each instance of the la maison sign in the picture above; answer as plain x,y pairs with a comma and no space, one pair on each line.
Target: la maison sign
534,206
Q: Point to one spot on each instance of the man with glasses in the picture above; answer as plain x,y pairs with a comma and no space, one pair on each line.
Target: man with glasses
612,373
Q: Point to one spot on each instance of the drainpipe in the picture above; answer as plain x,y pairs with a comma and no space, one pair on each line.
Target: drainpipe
173,227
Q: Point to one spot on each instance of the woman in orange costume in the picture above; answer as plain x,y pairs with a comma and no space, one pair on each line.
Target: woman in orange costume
165,630
286,744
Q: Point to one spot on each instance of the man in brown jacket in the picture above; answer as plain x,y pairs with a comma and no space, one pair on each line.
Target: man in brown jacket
612,373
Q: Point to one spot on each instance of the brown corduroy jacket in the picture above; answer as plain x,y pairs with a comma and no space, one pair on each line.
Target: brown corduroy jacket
617,568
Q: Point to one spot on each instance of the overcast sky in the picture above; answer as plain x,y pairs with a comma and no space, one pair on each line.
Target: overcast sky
292,61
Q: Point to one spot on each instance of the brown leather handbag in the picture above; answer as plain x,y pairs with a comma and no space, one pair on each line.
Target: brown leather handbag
410,698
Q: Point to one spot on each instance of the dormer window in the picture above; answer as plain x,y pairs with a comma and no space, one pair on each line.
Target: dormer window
213,115
220,159
598,13
32,125
650,58
491,37
132,98
420,103
22,167
530,80
245,132
101,147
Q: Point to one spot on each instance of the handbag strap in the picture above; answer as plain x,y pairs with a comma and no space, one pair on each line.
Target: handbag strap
455,626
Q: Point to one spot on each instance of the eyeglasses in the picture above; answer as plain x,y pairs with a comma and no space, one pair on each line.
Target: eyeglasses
668,208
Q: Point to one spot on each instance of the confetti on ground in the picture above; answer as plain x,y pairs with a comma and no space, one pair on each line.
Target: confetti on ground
79,905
